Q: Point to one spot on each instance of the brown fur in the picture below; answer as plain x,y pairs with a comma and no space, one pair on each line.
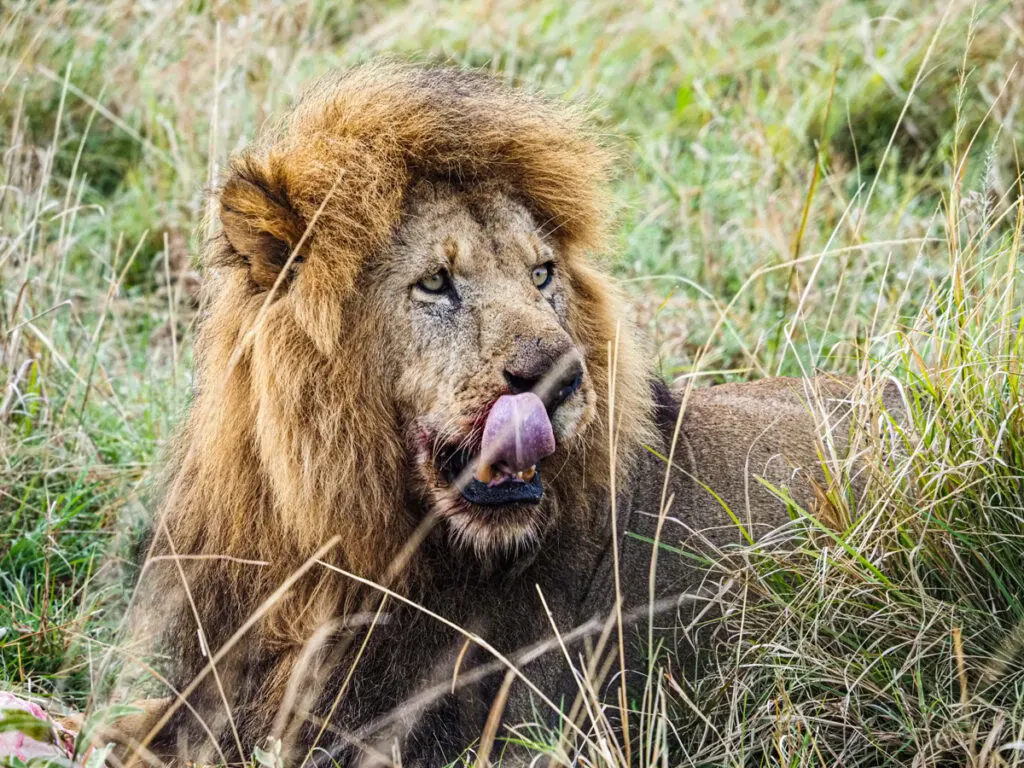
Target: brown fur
321,393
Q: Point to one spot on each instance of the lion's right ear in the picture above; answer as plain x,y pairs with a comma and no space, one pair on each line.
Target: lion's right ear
259,222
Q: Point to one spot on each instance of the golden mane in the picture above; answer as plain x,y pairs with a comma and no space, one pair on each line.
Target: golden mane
292,437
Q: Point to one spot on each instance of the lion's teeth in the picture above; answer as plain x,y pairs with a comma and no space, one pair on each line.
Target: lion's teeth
527,474
484,473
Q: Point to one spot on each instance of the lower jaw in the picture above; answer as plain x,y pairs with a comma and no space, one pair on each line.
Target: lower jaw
488,536
491,529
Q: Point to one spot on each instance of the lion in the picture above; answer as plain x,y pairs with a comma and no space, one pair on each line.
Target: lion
423,437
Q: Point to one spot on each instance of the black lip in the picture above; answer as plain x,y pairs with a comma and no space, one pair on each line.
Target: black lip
453,463
509,492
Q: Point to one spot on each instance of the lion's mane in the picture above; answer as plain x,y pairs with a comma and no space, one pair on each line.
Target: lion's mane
292,437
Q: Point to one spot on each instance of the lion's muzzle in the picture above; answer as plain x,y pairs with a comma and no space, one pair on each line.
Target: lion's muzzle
517,435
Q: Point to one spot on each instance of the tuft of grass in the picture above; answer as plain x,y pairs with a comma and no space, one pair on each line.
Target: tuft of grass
805,186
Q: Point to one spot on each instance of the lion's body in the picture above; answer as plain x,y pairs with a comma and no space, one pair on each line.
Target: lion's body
313,461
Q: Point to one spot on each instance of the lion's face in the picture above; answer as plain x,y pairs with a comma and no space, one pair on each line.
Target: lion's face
492,387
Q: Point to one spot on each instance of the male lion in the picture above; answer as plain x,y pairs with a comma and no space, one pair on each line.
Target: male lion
417,408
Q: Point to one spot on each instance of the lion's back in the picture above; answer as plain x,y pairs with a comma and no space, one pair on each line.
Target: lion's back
742,449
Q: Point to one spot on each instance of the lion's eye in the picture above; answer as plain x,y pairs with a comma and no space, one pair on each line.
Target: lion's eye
542,275
436,283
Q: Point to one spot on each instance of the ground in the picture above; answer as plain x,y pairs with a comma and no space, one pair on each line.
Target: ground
802,186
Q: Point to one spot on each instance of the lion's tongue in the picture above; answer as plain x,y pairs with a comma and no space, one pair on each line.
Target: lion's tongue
517,434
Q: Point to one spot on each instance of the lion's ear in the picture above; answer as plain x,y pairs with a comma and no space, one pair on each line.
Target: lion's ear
259,222
263,227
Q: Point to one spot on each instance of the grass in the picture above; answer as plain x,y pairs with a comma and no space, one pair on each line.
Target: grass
805,186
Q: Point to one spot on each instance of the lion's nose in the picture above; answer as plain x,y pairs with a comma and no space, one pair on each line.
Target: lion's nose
552,380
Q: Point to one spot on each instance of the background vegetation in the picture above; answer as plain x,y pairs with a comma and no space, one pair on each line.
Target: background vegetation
804,186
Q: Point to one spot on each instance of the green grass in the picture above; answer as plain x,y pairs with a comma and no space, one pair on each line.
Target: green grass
804,186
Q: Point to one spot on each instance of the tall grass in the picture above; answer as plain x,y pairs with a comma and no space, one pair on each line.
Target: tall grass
805,186
896,638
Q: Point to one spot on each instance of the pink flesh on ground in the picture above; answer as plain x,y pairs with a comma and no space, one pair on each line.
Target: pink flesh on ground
58,747
517,433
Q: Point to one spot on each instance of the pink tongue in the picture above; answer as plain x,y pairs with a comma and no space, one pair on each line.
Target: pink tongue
518,433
